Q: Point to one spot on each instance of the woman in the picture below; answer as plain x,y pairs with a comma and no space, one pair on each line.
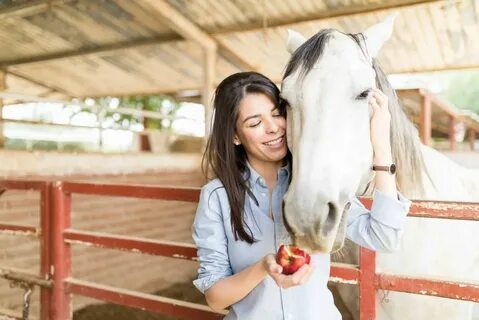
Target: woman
238,225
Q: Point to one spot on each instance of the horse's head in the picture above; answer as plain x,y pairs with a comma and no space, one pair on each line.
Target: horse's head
327,84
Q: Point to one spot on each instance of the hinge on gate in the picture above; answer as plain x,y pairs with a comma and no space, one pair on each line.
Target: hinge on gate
28,287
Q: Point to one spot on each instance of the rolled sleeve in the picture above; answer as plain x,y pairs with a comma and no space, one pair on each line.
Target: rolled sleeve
211,241
381,228
390,211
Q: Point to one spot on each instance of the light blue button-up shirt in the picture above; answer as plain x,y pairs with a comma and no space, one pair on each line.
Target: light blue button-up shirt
220,255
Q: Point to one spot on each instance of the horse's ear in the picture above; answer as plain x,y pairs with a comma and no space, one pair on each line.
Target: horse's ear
377,34
295,40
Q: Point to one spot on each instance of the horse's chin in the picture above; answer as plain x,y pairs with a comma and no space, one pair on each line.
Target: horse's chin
318,244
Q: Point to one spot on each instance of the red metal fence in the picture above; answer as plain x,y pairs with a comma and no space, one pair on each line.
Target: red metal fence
56,236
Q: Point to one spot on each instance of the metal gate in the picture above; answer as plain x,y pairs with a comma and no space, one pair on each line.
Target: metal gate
56,235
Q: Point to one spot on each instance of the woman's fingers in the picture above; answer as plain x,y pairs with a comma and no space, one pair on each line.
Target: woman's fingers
380,97
271,265
297,278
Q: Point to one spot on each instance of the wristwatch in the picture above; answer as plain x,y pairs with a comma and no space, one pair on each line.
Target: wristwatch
391,168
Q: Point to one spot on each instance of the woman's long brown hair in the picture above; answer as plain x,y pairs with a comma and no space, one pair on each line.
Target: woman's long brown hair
226,161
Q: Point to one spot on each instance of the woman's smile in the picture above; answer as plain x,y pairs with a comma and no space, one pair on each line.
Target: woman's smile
275,143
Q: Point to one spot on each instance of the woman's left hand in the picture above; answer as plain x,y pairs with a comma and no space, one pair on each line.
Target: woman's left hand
380,122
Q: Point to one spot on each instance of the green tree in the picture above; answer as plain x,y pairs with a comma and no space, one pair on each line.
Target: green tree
463,91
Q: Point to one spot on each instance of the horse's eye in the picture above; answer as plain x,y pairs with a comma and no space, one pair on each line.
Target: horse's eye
363,95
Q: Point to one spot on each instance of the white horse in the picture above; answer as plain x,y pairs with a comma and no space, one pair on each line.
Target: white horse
325,83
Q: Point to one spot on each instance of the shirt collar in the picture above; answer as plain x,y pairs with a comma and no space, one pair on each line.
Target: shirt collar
256,178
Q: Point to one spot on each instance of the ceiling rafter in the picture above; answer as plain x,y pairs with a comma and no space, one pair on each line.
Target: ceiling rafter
28,8
189,31
325,14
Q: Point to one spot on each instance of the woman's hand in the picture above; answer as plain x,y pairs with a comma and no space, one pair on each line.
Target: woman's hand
380,123
286,281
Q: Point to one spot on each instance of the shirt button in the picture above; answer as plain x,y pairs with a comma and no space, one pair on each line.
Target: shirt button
263,194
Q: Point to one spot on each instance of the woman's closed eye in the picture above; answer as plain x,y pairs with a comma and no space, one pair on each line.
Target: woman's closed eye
254,124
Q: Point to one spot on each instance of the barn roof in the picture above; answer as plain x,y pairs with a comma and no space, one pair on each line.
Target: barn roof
79,48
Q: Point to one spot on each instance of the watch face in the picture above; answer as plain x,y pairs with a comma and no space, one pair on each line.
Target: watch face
392,169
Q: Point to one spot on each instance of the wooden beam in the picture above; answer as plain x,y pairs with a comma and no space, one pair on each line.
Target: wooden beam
208,87
472,139
38,83
452,133
438,69
372,7
186,28
90,51
414,93
425,120
223,50
469,122
94,108
29,8
180,24
3,87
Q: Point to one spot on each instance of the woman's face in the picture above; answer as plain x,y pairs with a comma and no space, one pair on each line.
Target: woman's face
261,130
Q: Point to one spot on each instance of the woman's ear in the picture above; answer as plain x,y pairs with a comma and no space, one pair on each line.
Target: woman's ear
236,141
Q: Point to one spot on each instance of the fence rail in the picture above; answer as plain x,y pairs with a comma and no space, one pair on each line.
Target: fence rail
56,236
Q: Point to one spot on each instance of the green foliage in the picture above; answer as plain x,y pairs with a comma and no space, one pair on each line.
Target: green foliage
463,91
21,144
162,104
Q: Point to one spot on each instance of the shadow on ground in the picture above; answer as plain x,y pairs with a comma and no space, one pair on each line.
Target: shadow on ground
107,311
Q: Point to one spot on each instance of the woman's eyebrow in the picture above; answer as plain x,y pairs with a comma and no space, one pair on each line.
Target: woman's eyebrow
257,115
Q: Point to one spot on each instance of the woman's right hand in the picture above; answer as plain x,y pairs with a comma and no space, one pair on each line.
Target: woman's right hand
282,280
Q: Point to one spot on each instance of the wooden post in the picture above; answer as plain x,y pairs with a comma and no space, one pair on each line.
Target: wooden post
425,118
452,133
472,139
208,87
145,144
3,86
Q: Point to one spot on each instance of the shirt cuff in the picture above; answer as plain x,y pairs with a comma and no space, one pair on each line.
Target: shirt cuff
203,284
390,211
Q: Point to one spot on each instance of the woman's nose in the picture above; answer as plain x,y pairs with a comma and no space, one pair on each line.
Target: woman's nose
272,126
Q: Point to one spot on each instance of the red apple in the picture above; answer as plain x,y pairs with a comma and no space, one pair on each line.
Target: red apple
291,258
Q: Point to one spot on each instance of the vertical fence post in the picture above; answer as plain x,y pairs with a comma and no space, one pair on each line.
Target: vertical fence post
425,120
367,284
452,133
472,139
61,257
45,249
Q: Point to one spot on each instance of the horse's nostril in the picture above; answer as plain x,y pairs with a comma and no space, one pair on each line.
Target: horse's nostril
331,219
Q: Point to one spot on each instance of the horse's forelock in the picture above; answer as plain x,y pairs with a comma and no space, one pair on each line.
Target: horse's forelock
308,53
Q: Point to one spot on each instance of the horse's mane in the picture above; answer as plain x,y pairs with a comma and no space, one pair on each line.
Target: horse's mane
405,143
